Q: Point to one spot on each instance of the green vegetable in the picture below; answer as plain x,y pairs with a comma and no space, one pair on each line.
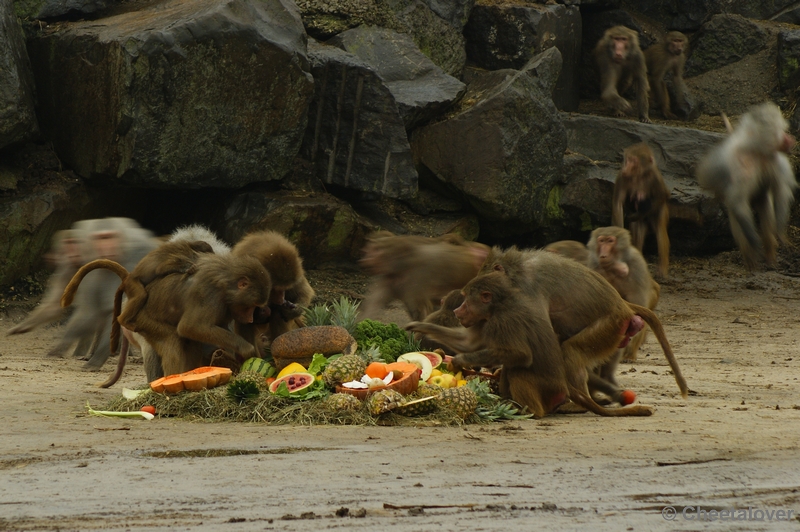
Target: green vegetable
391,340
318,363
148,416
315,391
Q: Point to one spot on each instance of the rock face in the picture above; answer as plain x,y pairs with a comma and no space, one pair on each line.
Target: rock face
356,137
17,116
44,9
157,98
509,35
503,149
421,89
724,40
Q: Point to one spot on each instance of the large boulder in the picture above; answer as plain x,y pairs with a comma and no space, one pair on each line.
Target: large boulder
421,89
324,228
356,137
17,114
455,12
724,40
44,9
689,15
502,150
437,37
789,59
184,93
508,35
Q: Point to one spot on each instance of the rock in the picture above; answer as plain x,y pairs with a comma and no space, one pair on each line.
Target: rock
735,87
356,137
44,9
789,59
689,15
158,98
420,88
508,35
438,39
724,40
502,149
17,114
30,218
454,12
324,228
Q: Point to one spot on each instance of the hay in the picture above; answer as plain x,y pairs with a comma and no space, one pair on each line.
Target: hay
214,406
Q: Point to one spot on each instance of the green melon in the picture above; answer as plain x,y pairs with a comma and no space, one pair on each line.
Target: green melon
296,382
258,365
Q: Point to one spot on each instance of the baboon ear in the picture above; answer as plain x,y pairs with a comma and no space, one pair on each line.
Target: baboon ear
486,297
499,268
243,283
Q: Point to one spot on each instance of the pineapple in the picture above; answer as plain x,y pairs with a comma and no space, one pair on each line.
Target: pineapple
318,315
427,390
344,369
344,313
384,401
417,407
343,401
246,385
370,354
462,400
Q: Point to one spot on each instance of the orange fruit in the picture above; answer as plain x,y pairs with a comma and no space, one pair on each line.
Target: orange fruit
377,370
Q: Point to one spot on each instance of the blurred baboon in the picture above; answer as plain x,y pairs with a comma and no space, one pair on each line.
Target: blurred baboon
668,57
750,171
621,64
443,316
572,249
417,270
118,239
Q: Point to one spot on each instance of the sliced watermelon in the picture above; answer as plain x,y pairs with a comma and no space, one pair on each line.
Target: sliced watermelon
295,382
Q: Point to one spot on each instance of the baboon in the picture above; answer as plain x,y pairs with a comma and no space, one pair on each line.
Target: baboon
640,196
623,266
443,316
668,57
118,239
750,171
621,64
186,316
417,270
545,318
572,249
291,292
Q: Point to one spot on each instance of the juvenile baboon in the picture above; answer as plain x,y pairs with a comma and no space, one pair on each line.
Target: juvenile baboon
549,321
443,316
640,196
750,171
623,266
291,292
621,64
417,270
663,58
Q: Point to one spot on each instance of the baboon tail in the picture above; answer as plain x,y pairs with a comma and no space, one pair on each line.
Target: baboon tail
123,357
72,287
655,324
587,402
115,326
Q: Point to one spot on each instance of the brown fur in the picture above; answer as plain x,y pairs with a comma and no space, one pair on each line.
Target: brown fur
570,318
663,58
444,316
621,64
291,291
417,270
572,249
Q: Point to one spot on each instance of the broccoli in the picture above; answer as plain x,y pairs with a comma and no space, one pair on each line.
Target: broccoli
391,340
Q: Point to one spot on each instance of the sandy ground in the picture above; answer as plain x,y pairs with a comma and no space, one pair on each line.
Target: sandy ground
733,444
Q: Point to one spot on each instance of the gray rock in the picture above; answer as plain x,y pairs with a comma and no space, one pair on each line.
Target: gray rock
29,220
455,12
17,114
44,9
788,54
440,40
508,35
185,93
724,40
503,148
324,228
356,137
420,88
689,15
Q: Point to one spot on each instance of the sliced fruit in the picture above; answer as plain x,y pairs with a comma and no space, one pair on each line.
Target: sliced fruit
296,382
377,370
435,358
294,367
197,381
421,361
173,384
405,367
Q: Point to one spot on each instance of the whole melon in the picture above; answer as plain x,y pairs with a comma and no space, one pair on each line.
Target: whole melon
296,382
259,365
